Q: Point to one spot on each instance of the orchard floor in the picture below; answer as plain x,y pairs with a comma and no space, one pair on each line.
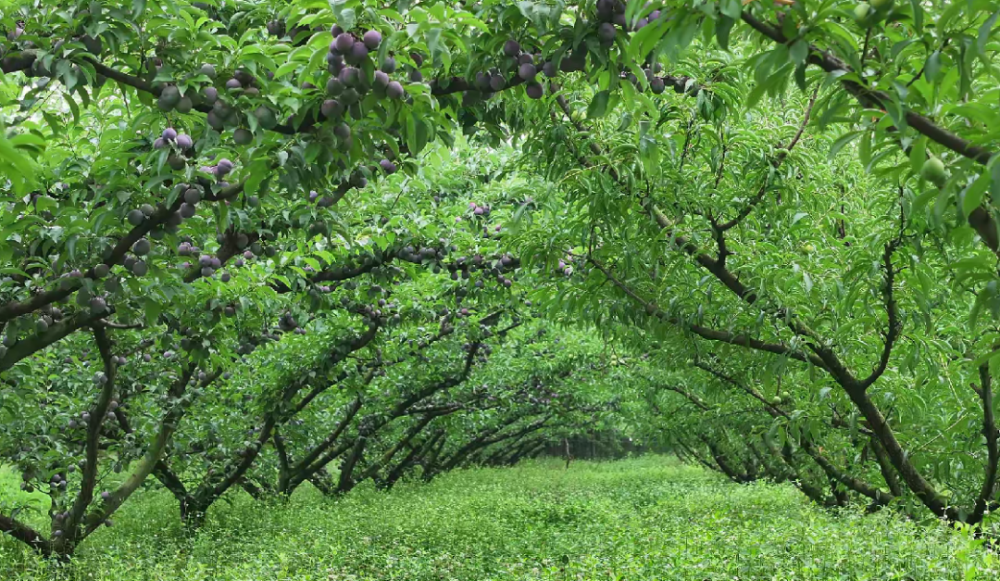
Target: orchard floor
646,518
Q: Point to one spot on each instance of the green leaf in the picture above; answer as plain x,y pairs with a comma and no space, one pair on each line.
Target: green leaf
984,34
918,154
865,148
842,141
918,16
975,193
932,69
731,9
799,51
722,29
258,171
598,105
345,17
152,310
287,68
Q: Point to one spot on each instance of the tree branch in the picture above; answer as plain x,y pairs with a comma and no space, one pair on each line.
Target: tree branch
988,491
97,416
893,323
27,347
981,219
780,158
27,535
712,334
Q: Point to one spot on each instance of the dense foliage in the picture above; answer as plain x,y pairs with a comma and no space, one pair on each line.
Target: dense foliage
253,244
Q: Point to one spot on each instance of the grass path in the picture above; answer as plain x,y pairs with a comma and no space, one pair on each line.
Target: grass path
646,518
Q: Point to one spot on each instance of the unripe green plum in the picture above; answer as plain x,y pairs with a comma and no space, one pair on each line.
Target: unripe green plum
933,171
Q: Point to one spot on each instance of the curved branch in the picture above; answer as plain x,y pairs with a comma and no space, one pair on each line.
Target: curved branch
873,98
893,322
56,333
988,491
69,285
981,219
780,158
879,497
695,400
97,416
151,460
27,535
712,334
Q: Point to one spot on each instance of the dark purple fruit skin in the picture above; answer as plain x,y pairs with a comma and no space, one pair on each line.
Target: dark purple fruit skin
344,42
606,31
335,86
511,48
372,39
357,54
527,71
331,108
482,81
387,166
394,90
534,90
605,10
497,82
242,136
350,76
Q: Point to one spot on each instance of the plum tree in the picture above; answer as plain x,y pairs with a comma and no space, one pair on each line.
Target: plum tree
692,230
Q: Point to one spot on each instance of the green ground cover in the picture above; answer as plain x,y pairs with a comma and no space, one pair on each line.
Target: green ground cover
646,518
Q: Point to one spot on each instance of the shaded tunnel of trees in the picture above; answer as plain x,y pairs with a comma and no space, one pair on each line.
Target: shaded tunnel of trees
249,245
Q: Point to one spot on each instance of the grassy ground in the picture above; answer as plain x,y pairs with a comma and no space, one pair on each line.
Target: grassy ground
647,518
